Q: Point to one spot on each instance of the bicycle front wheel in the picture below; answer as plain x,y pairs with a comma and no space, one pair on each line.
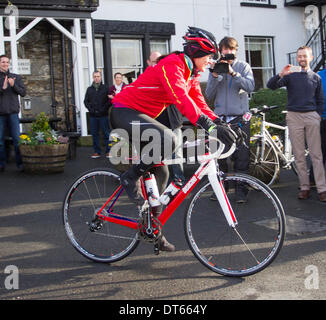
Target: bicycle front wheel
96,239
255,241
266,166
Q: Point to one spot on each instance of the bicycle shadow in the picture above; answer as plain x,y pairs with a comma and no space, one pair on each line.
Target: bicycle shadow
78,278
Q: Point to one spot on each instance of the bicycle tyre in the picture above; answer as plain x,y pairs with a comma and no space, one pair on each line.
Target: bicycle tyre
267,169
261,224
111,242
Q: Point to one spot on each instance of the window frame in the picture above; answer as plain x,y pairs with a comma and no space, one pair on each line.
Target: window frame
157,39
271,54
140,67
257,3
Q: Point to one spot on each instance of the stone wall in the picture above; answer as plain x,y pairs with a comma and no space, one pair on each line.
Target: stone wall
35,47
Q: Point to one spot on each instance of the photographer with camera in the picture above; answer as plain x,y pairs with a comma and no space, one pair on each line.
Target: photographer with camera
230,80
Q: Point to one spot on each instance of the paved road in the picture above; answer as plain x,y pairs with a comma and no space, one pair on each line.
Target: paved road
32,239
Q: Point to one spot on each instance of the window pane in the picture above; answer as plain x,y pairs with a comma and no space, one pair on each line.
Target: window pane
127,58
85,66
259,54
258,1
98,43
126,53
161,46
99,53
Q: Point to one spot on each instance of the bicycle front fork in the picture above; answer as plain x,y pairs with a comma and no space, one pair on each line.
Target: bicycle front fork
221,195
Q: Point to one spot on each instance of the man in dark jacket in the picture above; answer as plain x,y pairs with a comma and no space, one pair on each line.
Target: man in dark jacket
97,103
11,85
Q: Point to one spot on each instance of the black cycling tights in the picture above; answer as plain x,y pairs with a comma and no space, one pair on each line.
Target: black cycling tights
136,124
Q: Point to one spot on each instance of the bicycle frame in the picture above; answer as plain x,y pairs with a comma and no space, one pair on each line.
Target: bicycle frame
208,166
285,156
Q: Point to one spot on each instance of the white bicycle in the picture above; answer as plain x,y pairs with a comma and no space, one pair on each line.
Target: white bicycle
269,153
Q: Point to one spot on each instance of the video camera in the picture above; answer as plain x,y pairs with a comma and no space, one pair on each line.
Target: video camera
222,67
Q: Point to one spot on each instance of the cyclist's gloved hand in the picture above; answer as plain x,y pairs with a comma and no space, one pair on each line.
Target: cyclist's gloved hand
242,136
206,123
219,121
224,132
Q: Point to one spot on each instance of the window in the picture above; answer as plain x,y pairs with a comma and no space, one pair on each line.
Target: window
259,54
161,46
127,58
258,3
99,61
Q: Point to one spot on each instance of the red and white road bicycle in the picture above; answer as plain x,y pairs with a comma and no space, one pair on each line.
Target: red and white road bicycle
230,238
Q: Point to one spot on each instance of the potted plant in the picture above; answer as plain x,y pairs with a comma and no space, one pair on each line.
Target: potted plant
42,149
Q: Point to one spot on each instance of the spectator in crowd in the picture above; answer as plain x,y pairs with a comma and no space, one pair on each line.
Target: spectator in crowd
229,92
305,107
11,86
152,59
322,75
117,87
97,102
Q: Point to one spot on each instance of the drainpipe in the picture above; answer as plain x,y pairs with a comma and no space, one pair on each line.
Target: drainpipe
53,104
65,82
322,36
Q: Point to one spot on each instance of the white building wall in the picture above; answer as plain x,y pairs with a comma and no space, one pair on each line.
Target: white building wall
221,17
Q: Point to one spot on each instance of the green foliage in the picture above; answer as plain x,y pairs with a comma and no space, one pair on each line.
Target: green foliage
41,123
270,97
40,132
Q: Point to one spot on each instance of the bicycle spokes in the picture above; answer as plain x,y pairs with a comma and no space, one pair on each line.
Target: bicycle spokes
242,249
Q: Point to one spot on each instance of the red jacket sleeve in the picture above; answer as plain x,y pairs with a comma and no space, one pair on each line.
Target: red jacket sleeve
172,77
196,94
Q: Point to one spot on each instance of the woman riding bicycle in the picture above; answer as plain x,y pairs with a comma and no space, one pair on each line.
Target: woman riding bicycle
173,80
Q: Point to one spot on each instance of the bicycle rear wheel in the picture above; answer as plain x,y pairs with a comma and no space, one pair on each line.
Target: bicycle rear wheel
96,239
266,168
255,241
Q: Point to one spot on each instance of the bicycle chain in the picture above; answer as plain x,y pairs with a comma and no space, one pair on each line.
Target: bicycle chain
149,227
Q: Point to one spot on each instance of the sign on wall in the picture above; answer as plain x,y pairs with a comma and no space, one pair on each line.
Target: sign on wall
24,66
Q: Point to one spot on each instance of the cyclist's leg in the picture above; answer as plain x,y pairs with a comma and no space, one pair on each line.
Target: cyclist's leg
162,176
126,118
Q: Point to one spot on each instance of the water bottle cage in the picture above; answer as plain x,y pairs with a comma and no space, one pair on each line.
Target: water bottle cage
169,194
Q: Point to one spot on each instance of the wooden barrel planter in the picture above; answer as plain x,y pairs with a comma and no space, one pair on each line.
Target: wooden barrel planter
44,158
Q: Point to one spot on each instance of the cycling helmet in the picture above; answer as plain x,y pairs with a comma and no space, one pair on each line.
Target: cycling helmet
199,43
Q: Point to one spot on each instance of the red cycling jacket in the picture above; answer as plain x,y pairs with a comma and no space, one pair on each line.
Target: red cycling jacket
168,82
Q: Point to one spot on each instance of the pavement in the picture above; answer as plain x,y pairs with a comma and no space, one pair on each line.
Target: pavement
32,240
